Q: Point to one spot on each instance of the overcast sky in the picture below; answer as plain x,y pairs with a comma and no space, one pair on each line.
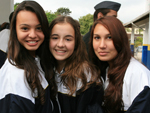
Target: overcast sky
130,9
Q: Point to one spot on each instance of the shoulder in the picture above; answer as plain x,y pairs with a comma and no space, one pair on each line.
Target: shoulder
4,32
12,81
137,72
136,67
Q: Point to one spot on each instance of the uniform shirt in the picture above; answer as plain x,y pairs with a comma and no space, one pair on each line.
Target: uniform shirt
15,93
137,76
4,38
88,101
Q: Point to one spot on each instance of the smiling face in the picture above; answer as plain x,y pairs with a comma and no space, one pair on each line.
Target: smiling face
29,32
103,44
62,41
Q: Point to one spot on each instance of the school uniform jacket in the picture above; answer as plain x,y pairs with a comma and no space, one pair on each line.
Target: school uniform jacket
89,101
15,93
4,38
137,76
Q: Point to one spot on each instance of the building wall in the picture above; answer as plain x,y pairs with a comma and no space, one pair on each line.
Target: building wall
6,7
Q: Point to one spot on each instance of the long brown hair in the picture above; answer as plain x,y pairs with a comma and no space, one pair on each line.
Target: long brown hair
19,56
113,102
77,64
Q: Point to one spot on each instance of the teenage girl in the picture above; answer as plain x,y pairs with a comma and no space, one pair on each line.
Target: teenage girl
125,77
23,84
75,86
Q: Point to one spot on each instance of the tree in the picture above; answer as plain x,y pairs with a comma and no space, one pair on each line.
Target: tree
63,11
15,6
50,16
85,23
138,42
128,29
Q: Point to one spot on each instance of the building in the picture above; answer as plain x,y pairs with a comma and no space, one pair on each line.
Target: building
142,22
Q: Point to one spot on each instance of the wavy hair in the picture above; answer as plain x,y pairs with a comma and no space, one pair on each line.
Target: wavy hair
76,64
113,102
18,55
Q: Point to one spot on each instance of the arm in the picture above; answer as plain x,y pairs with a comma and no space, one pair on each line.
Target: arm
135,79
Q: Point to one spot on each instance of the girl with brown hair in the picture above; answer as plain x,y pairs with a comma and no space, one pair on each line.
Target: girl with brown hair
125,77
23,84
75,86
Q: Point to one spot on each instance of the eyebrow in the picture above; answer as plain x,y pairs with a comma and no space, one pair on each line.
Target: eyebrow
28,25
69,36
105,35
65,35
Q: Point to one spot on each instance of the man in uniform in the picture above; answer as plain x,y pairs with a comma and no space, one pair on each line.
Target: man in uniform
105,8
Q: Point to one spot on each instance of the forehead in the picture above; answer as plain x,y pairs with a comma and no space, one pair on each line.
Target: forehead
26,16
100,29
63,28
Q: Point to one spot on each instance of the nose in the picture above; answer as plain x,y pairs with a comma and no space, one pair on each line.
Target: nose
32,33
102,43
60,43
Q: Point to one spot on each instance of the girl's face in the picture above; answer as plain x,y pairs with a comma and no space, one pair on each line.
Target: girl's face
62,41
103,44
29,32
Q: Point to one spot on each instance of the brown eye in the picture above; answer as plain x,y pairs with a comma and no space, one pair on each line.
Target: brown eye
109,37
24,28
39,28
96,37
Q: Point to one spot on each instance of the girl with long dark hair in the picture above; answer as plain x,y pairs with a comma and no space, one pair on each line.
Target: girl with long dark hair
75,86
23,84
124,77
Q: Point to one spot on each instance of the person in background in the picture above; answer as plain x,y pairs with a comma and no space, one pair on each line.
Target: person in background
75,84
4,25
105,8
127,81
4,37
23,84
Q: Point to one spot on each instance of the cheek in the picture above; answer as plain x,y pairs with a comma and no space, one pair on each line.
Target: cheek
21,36
51,44
41,35
95,45
115,53
71,47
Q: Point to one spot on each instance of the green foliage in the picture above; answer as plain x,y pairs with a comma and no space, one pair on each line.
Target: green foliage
140,31
63,11
128,29
138,42
50,16
85,23
15,6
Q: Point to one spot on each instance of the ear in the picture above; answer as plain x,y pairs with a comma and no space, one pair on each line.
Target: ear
99,15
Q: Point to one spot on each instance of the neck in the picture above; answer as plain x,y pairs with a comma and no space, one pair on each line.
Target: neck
32,53
60,65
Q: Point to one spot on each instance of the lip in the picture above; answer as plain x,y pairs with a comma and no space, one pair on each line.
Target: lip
60,52
103,53
32,42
